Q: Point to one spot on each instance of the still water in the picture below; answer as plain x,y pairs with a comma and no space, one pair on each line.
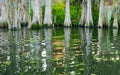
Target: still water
60,51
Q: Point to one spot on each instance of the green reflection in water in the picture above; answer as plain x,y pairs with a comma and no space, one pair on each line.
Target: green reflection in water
60,51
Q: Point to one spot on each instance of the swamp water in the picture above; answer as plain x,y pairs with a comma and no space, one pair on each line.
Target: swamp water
60,51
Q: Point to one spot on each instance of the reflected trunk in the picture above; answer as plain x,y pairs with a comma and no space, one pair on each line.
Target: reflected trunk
100,42
88,34
48,48
67,33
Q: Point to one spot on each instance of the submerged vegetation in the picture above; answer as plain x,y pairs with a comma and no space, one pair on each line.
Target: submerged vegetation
99,13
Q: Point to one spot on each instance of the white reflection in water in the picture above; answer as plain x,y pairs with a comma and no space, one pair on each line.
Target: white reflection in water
48,35
108,40
67,37
100,36
40,52
44,64
47,52
88,40
43,54
115,33
72,73
67,33
88,34
116,44
115,39
83,36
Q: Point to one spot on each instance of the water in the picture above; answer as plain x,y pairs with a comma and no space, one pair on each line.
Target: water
60,51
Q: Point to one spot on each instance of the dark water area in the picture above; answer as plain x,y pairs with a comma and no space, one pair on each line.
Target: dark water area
60,51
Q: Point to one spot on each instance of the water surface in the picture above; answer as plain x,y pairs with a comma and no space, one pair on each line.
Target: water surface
60,51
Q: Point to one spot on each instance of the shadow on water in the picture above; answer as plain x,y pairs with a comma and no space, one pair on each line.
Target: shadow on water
60,51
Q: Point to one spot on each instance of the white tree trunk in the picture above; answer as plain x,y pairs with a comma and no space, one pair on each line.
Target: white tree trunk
10,13
84,13
40,13
67,21
19,15
101,16
116,12
15,22
36,12
115,23
3,11
108,14
48,12
29,20
89,20
23,11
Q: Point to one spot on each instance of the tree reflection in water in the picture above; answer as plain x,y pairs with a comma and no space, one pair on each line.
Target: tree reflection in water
68,51
88,51
47,65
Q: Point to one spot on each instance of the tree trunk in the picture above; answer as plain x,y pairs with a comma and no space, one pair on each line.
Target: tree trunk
84,13
37,11
108,14
40,13
28,15
3,6
116,12
67,21
10,13
24,10
13,15
48,12
16,22
89,20
115,23
19,14
101,16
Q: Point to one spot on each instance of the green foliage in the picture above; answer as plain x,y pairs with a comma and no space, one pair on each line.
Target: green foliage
43,10
95,13
31,12
111,21
75,12
58,12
